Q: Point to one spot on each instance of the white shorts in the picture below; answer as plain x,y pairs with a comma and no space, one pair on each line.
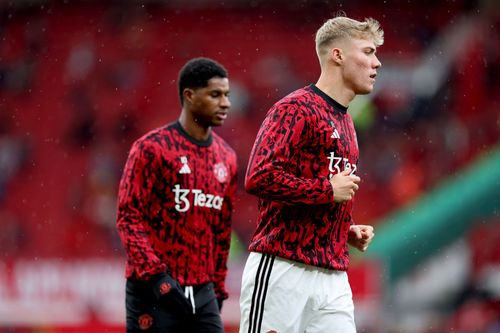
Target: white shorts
283,296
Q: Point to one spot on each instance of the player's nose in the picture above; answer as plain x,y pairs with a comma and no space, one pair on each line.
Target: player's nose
225,102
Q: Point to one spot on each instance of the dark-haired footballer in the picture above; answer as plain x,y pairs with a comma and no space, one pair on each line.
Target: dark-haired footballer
175,202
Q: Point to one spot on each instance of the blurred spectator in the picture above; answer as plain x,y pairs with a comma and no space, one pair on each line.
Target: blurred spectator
80,62
125,128
14,154
19,61
82,126
101,186
274,74
12,235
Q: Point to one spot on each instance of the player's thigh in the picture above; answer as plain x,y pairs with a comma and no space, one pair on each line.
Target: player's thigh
335,313
272,297
332,322
207,319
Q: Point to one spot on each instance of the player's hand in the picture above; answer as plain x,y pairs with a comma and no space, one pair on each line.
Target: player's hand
360,236
169,293
344,186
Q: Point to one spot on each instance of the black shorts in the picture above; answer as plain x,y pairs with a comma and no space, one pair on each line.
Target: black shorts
144,314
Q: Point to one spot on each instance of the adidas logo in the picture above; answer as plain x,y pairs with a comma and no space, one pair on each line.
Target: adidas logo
335,134
185,167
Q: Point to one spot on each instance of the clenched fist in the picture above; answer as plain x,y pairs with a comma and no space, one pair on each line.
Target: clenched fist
360,236
344,186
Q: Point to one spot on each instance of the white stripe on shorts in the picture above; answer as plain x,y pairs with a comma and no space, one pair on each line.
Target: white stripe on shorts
259,293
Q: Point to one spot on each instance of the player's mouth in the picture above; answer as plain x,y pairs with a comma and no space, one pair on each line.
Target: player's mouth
221,115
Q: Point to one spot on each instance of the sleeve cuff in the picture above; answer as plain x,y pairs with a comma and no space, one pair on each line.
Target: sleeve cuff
329,190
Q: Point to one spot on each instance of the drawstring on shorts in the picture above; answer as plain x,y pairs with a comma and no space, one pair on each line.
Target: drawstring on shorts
188,292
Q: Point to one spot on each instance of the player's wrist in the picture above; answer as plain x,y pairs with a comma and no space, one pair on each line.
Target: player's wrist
332,188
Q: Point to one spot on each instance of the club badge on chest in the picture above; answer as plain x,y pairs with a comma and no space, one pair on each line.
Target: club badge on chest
221,172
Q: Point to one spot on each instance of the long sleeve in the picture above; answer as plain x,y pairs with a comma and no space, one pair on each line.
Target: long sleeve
134,203
222,234
270,170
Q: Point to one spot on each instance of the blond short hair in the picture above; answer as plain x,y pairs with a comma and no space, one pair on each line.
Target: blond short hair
341,27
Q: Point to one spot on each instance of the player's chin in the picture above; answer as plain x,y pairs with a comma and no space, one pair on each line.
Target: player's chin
217,122
364,90
219,119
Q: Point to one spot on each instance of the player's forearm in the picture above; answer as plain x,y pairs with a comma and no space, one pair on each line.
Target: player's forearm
275,184
135,240
222,243
220,277
147,264
221,272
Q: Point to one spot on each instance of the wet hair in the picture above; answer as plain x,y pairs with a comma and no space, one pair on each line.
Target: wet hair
197,72
342,27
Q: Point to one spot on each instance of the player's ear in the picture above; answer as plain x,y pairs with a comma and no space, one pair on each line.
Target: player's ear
336,55
188,94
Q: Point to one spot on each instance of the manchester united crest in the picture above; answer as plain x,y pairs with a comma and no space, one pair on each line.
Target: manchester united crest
220,172
145,321
165,288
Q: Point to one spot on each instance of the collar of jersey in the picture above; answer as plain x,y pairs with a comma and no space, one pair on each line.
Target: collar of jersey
181,130
336,105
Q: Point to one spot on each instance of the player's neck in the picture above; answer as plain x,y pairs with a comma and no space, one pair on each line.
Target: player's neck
193,127
333,86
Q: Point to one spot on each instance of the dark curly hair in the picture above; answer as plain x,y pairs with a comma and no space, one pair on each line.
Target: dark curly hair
196,73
